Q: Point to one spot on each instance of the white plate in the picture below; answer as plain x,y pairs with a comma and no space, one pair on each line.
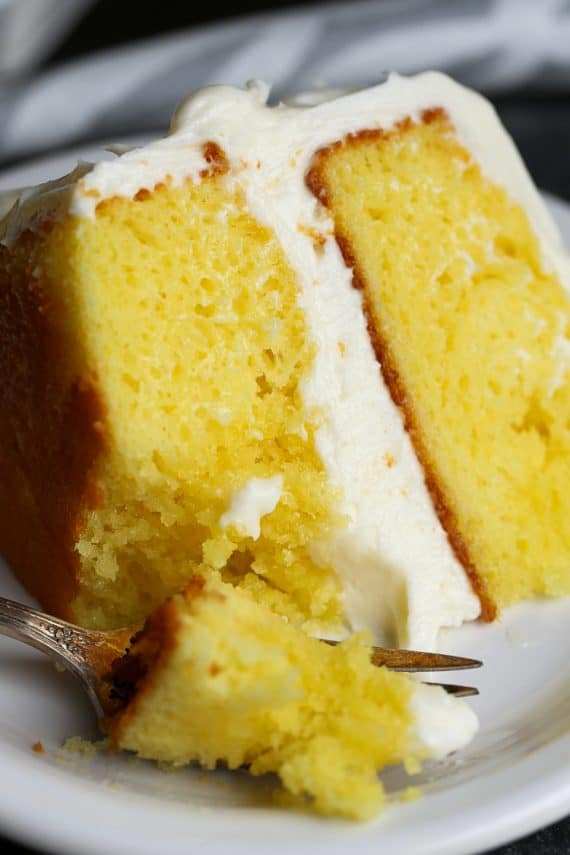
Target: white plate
514,777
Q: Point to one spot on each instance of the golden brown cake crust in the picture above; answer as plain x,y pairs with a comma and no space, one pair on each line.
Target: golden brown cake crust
134,674
216,159
316,183
52,422
51,433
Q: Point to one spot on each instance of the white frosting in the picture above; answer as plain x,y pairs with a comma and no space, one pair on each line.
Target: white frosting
400,576
256,499
30,206
443,723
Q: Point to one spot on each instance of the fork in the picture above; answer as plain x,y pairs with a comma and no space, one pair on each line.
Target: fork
89,654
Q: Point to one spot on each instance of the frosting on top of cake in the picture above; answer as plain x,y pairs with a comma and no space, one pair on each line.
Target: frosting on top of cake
243,124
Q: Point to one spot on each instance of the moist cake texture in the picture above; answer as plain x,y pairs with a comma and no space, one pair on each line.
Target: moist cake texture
183,277
262,694
472,329
323,350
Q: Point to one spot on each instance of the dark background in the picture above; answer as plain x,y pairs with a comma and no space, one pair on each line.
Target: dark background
539,123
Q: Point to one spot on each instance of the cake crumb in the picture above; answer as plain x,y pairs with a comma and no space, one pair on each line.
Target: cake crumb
92,193
318,238
411,794
341,348
169,768
84,747
389,460
412,766
38,747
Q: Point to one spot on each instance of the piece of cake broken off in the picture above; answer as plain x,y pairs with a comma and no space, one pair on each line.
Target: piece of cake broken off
261,694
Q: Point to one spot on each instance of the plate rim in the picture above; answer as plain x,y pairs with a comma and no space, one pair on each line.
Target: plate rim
519,813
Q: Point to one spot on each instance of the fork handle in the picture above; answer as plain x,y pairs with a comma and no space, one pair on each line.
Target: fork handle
53,636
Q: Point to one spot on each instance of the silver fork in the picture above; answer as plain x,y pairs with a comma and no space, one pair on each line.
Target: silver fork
89,654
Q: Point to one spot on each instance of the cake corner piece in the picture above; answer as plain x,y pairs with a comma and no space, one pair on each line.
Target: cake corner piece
215,678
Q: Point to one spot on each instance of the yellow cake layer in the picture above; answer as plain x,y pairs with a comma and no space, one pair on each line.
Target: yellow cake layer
473,332
260,693
182,310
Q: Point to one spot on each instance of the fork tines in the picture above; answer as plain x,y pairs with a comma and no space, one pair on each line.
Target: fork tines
416,660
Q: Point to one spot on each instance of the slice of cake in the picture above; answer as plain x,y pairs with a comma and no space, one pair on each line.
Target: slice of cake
469,316
216,678
324,350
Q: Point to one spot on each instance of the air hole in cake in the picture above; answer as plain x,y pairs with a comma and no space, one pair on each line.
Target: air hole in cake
206,311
